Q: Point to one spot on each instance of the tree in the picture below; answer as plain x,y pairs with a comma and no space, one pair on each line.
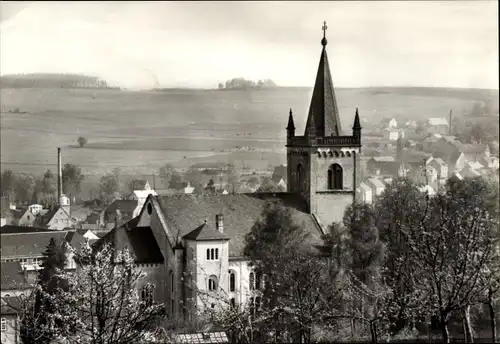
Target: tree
367,290
175,181
82,141
24,188
165,174
399,210
35,327
102,304
233,177
210,188
451,251
48,185
300,289
194,177
8,184
72,178
109,186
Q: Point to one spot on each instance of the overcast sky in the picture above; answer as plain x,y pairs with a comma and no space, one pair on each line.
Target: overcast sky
197,44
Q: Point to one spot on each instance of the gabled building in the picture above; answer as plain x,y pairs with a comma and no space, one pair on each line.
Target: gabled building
201,238
126,208
22,217
56,218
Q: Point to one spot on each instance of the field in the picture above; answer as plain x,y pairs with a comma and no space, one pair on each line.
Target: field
140,131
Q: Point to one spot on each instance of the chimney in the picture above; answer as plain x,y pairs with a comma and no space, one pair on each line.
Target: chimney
219,221
59,175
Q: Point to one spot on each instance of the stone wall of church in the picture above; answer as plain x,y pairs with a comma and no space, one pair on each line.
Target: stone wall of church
330,207
206,269
242,271
154,275
321,166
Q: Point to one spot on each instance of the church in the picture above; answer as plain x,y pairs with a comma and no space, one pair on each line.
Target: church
191,246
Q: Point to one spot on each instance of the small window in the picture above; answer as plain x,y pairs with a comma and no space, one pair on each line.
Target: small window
4,325
212,254
232,302
150,208
212,283
251,281
232,281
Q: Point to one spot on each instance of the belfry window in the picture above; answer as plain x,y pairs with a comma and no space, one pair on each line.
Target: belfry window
335,177
300,174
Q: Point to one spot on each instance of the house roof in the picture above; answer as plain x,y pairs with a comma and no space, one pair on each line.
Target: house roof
376,182
12,275
124,205
437,121
28,244
10,305
383,159
185,213
365,187
142,242
144,245
11,229
44,219
472,148
323,111
205,232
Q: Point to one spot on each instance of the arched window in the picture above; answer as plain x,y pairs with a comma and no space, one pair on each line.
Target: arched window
232,280
251,280
258,279
300,175
335,178
212,283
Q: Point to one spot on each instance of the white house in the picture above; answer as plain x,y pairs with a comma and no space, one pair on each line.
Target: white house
364,193
376,185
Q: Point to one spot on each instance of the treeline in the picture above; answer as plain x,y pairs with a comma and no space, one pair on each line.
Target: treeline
409,267
241,83
51,81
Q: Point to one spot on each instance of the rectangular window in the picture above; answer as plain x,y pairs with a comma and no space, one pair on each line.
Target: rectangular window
4,325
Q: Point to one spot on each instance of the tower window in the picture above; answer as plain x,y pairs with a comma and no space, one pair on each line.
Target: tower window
212,254
232,281
335,177
212,283
300,174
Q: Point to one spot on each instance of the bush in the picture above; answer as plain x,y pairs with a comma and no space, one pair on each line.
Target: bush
82,141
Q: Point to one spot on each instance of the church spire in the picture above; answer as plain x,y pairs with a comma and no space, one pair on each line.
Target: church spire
324,103
291,125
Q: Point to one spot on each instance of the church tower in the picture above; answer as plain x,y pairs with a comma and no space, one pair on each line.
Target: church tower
323,164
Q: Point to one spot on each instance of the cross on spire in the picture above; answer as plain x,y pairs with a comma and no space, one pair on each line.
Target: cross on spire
324,41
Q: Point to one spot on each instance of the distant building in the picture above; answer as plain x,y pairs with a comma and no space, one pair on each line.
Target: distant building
22,217
364,193
438,125
126,209
56,218
376,185
382,166
279,176
10,323
393,134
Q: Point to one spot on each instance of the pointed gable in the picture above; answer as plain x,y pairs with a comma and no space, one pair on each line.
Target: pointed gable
323,102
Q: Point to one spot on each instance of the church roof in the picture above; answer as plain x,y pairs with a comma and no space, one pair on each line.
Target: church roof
205,232
323,102
186,213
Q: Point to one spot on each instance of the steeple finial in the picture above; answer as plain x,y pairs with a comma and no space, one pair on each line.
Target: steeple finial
324,41
357,124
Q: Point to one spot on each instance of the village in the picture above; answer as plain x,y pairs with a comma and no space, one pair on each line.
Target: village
375,229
